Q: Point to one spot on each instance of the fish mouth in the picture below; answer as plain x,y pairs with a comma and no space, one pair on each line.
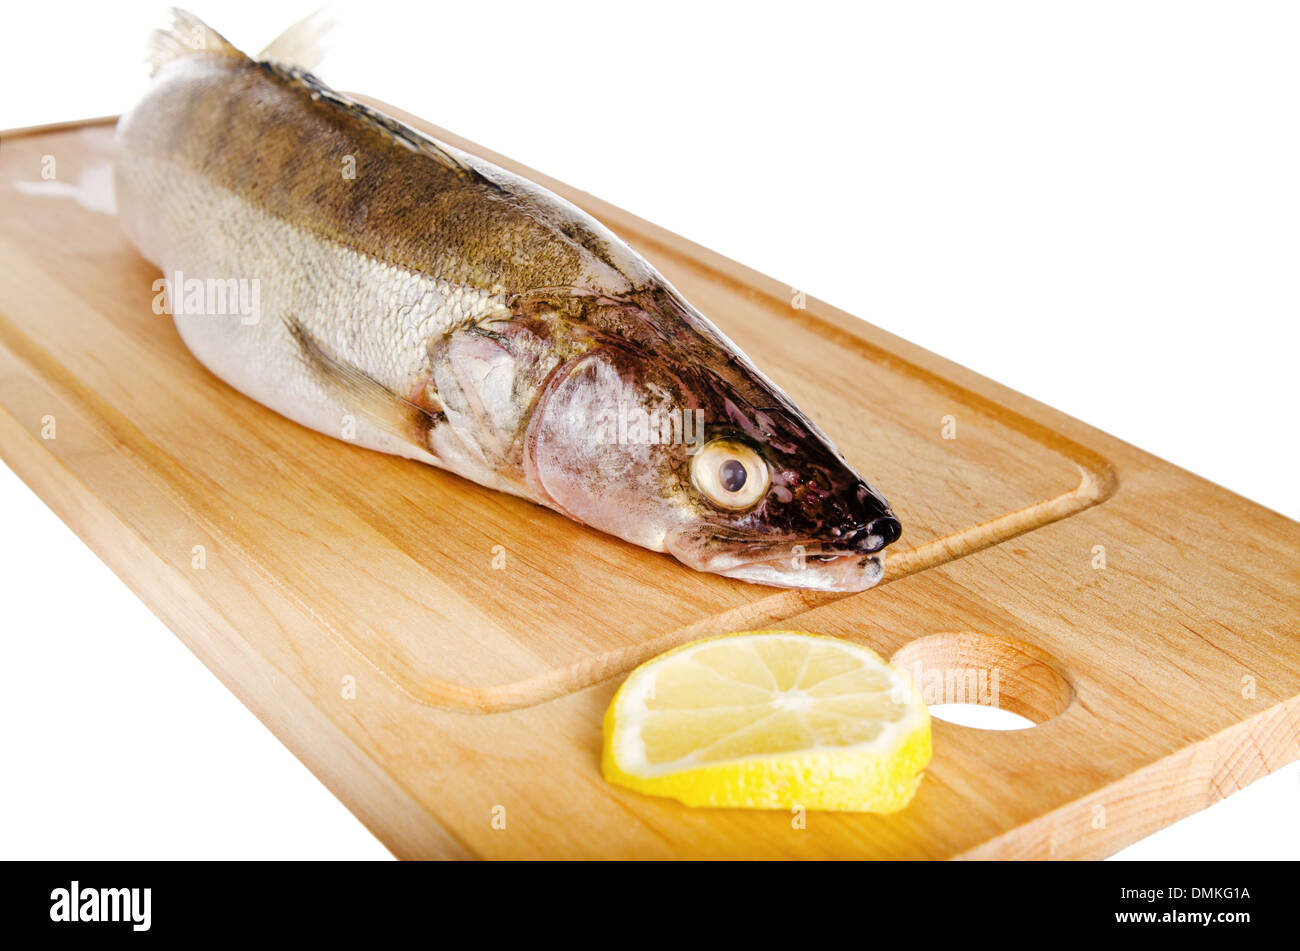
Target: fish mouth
872,536
847,572
792,567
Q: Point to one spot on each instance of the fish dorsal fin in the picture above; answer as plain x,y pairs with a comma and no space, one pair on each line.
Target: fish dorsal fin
292,56
187,36
393,129
301,45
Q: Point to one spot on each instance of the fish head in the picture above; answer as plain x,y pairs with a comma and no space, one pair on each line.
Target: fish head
696,453
773,501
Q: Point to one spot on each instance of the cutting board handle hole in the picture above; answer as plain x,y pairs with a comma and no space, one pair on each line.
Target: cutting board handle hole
988,682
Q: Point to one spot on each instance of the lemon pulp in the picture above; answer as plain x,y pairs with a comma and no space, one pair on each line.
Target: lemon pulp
769,720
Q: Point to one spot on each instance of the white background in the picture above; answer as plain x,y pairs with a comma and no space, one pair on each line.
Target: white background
1095,203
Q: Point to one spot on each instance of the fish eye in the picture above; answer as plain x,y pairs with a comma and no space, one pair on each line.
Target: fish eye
730,474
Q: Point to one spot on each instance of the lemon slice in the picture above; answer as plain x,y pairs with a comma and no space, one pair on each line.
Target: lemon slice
769,720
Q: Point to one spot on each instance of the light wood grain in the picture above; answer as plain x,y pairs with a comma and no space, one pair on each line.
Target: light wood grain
479,688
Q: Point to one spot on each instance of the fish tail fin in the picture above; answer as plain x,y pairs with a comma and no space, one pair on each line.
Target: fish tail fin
301,45
187,36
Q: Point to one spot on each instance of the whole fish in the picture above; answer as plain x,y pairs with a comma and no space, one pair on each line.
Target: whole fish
372,283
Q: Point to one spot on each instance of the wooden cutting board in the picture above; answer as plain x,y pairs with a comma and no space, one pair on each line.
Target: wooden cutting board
440,655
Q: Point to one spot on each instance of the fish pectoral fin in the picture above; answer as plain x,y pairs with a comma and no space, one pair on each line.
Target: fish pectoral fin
356,390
